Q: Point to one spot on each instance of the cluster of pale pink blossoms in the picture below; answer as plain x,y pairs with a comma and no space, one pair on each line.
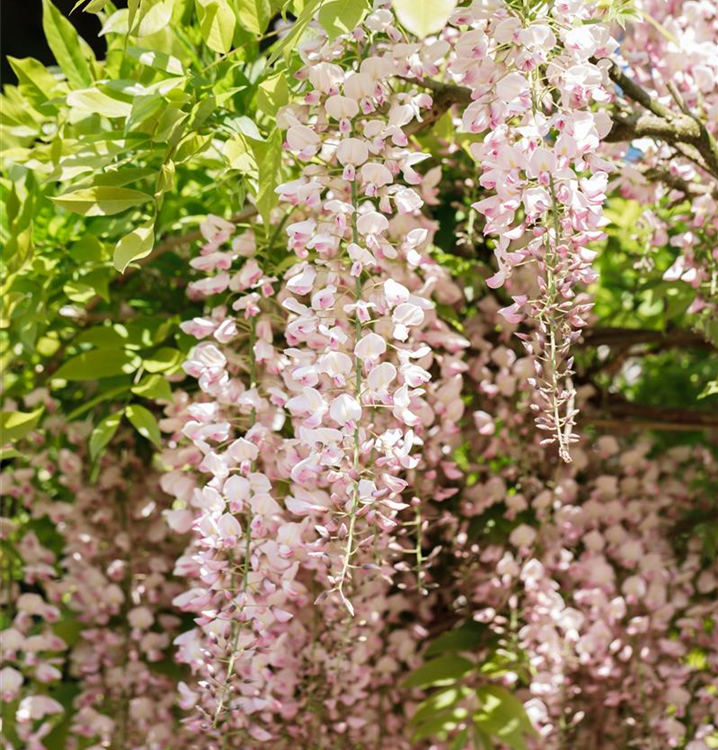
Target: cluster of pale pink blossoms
539,156
589,584
684,59
101,612
334,484
334,416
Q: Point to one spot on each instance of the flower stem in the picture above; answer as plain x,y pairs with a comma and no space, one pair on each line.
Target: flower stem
357,436
237,626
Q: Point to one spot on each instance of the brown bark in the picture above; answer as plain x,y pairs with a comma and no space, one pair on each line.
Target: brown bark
683,129
626,337
625,416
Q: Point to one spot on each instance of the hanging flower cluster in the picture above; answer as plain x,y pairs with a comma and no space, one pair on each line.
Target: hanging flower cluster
587,586
109,589
609,617
117,565
352,380
354,376
242,562
680,68
533,81
617,607
32,654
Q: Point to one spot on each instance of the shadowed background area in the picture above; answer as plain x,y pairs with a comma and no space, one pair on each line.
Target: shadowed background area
21,32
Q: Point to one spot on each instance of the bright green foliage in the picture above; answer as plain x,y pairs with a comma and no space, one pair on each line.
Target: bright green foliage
14,425
340,16
98,364
72,53
439,671
463,692
424,17
254,15
502,716
101,200
134,246
144,422
103,433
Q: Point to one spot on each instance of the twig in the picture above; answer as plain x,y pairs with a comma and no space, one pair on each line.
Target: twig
619,337
662,122
683,130
170,243
675,182
624,416
445,96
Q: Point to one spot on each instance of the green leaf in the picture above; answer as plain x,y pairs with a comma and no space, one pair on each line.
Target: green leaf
69,629
152,16
191,146
482,740
14,425
135,245
98,363
461,741
423,17
92,403
166,178
94,6
216,23
272,93
438,702
78,292
247,126
465,638
144,108
254,15
268,155
711,389
165,359
286,45
145,423
38,80
503,716
159,60
120,177
441,724
202,111
239,154
342,16
70,50
132,7
154,387
94,101
101,200
103,337
103,433
19,249
444,669
117,23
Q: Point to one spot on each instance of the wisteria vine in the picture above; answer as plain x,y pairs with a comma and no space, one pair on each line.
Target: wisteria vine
350,476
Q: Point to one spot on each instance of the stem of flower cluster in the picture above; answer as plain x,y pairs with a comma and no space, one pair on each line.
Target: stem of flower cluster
418,551
237,626
550,320
357,437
